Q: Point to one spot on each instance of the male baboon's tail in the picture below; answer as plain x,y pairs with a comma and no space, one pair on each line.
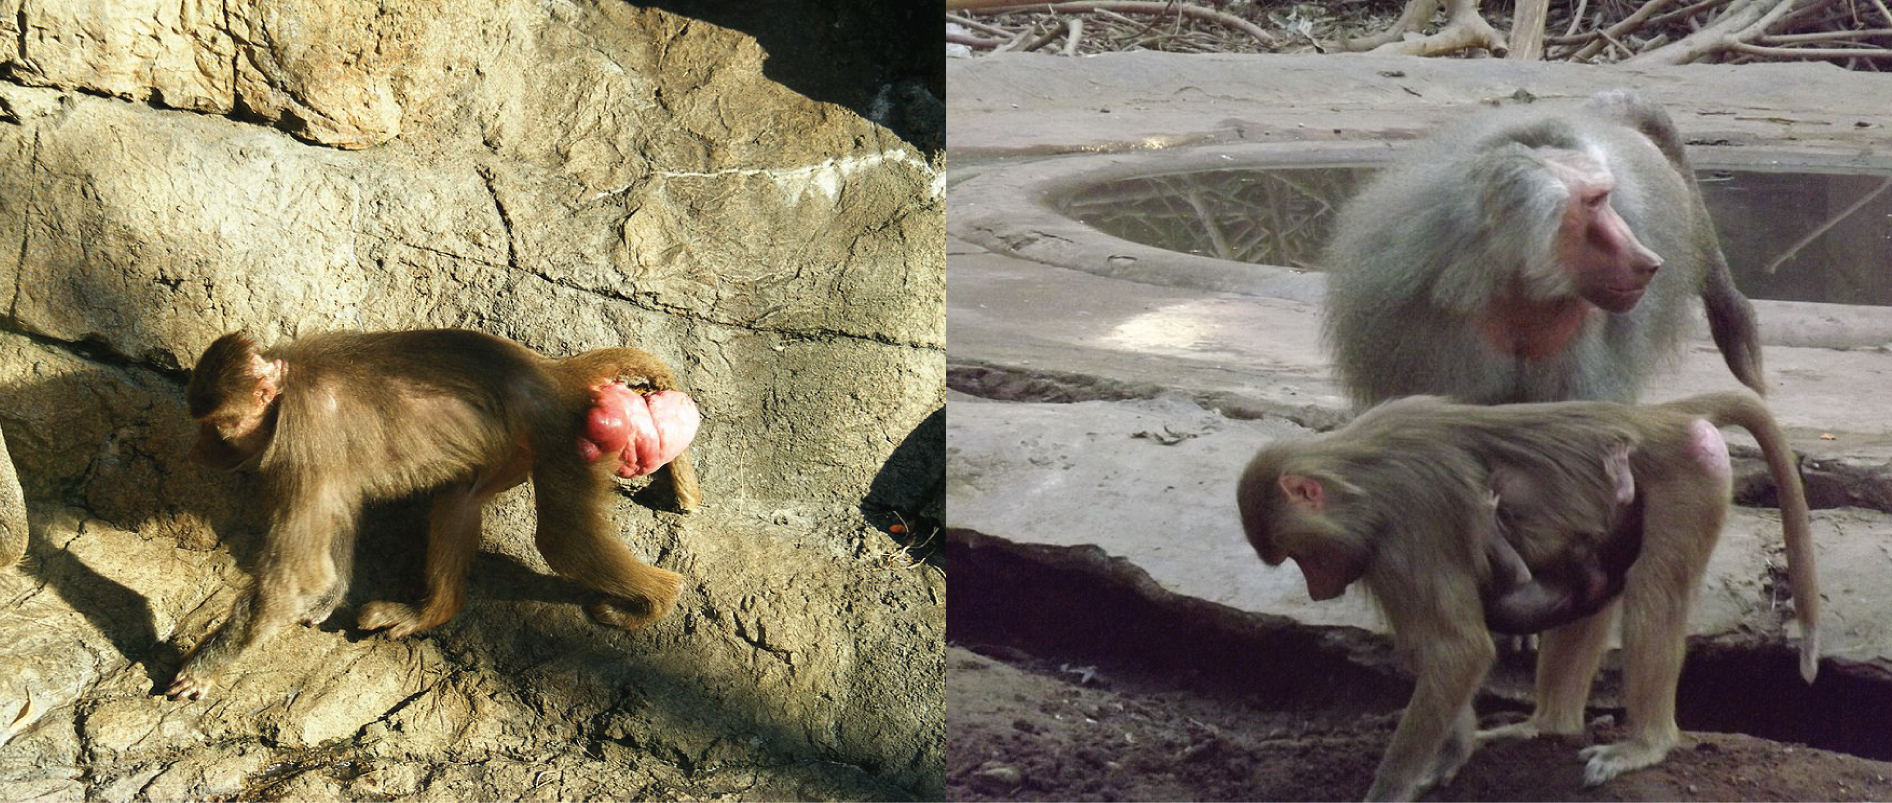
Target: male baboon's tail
1731,322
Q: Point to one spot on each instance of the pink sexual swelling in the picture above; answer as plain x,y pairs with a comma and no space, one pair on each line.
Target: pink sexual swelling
645,431
676,418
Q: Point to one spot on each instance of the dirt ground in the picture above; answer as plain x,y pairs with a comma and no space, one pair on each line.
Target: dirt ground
1026,728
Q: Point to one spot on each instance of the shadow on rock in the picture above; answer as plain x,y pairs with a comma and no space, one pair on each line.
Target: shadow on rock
113,441
123,615
910,489
885,61
630,696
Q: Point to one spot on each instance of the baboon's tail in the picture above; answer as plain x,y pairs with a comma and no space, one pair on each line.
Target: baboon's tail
1750,413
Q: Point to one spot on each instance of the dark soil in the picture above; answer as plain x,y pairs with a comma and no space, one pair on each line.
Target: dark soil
1073,676
1024,728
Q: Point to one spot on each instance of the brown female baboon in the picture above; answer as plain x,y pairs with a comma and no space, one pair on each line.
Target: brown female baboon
1400,499
333,420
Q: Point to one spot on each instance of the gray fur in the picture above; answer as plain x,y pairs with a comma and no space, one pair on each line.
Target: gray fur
1426,244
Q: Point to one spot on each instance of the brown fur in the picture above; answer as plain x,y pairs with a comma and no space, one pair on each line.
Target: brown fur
334,420
1594,516
1399,500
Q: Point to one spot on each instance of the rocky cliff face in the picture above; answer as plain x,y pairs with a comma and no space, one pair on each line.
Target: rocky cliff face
571,175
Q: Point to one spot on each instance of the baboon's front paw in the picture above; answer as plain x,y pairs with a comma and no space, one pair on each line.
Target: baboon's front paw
188,685
1443,773
629,614
397,619
657,591
1607,761
1384,789
1451,759
624,614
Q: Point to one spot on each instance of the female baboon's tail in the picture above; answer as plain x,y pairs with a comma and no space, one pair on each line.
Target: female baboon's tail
636,368
1748,412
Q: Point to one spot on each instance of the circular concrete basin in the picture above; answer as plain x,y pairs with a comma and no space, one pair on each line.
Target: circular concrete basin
1807,233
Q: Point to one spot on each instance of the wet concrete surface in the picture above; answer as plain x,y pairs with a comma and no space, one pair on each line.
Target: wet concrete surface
1101,400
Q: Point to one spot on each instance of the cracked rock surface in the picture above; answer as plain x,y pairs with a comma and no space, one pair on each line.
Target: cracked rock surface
572,176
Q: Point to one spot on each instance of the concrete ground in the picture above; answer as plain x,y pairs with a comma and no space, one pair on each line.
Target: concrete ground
1108,393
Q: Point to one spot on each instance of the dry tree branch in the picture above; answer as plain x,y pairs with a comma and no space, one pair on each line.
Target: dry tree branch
1611,35
1815,14
1206,219
1824,227
1690,11
1048,37
1576,17
982,27
971,41
1611,41
1464,28
1411,18
1019,38
1743,19
1823,36
1125,6
1804,53
1853,33
1527,30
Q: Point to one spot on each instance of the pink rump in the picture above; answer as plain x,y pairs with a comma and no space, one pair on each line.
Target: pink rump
646,432
1707,448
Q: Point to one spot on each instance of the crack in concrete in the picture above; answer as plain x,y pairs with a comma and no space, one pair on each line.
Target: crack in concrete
19,260
513,263
1015,242
1009,383
505,220
812,334
826,177
399,706
236,53
20,21
386,240
88,772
